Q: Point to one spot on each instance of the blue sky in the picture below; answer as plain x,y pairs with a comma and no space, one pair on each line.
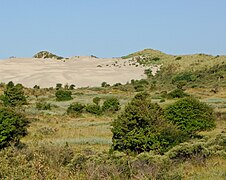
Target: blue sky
111,28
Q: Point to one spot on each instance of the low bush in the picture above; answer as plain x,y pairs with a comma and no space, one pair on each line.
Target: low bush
191,115
111,105
75,108
177,93
93,109
63,95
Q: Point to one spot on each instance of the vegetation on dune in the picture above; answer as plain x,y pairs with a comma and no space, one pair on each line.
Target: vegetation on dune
46,54
168,126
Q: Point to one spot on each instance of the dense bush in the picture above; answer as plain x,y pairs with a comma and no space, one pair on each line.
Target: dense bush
63,95
93,109
75,108
43,106
12,127
111,105
141,127
177,93
191,115
13,95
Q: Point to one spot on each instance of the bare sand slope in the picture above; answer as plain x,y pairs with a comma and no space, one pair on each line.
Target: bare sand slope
81,71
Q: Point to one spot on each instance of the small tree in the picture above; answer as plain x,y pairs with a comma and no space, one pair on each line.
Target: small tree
191,115
12,127
111,105
13,95
63,95
141,127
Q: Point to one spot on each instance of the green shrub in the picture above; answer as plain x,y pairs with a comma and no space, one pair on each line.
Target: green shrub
63,95
75,108
43,106
93,109
71,87
191,115
58,86
141,127
105,84
186,151
96,100
12,127
185,76
111,105
13,95
177,93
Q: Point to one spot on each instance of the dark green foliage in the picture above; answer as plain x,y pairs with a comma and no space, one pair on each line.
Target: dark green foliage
71,87
58,86
43,106
177,93
141,127
105,84
63,95
117,84
191,115
93,109
36,87
148,72
12,127
96,100
13,95
185,76
75,108
178,58
111,105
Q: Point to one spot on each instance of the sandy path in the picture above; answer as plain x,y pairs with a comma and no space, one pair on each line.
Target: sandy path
81,71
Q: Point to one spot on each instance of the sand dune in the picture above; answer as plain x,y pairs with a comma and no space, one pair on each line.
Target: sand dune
81,71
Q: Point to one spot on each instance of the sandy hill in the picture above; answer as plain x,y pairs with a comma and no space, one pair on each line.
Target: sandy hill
46,69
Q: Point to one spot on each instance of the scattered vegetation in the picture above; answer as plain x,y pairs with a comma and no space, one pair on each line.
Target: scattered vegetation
46,54
174,131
